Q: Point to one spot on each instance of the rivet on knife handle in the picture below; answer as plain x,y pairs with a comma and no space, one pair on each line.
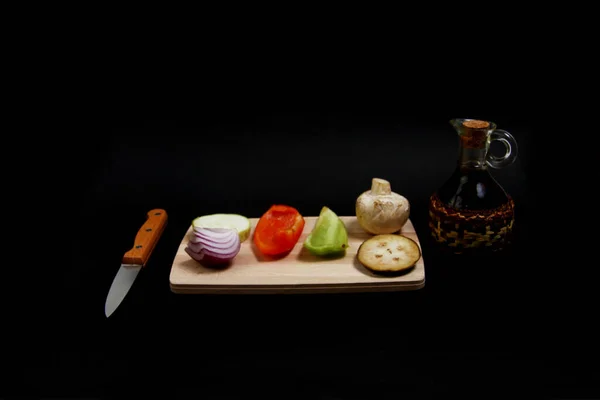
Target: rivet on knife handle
146,238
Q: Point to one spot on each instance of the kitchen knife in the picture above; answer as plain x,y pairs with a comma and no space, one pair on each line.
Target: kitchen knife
136,258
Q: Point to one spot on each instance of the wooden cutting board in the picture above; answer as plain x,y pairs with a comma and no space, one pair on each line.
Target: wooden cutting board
298,272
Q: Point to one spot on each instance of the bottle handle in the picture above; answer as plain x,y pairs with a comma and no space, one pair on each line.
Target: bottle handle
509,143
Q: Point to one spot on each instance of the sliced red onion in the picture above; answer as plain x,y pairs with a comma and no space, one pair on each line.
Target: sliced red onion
213,246
230,247
217,242
212,232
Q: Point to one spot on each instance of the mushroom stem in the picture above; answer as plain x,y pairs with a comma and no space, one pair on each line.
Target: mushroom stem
380,187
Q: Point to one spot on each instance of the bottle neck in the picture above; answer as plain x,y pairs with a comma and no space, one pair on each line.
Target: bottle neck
472,152
469,158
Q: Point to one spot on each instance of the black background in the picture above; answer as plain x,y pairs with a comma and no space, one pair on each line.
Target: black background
497,325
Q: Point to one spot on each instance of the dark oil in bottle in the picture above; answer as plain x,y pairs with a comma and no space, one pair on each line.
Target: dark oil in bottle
471,212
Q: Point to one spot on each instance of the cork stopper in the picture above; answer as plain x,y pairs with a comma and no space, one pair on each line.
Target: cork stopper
476,124
475,136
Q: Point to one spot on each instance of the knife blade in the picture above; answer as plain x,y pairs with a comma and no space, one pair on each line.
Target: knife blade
136,258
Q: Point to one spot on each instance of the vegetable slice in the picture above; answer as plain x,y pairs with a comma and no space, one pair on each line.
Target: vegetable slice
329,236
213,246
278,230
389,253
227,221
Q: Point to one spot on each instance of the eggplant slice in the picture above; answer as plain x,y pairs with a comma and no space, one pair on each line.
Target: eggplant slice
389,253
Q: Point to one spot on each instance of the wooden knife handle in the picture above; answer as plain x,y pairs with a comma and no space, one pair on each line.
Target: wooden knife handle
146,238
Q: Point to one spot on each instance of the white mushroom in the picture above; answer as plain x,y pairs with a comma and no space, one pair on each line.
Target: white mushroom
381,211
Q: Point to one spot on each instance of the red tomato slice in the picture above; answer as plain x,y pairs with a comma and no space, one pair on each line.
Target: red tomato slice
278,230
